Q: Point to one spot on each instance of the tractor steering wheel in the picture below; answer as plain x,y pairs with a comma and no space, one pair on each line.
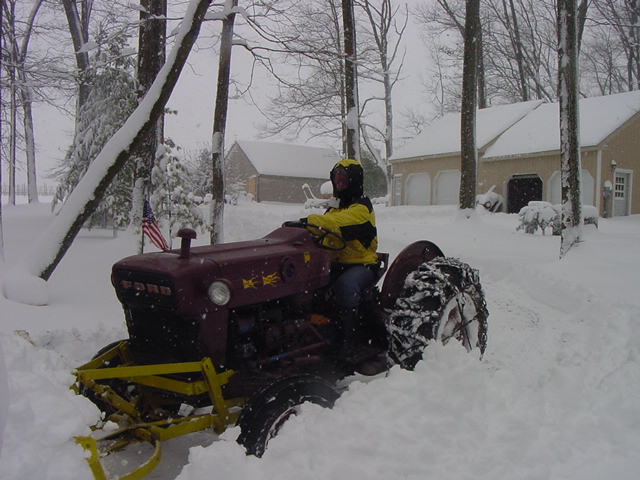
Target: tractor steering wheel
322,237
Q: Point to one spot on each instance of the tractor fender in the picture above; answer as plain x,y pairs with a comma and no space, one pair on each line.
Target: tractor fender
406,262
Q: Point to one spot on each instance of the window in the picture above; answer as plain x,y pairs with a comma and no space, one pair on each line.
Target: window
619,188
397,190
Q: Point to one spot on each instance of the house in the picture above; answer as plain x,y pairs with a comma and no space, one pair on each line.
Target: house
277,172
520,156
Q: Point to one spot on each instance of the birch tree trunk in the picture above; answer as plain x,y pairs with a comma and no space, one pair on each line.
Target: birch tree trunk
219,125
468,153
351,81
1,231
569,127
56,239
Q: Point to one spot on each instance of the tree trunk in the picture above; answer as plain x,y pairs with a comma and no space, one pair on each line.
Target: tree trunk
482,82
468,151
151,57
13,132
29,138
517,46
351,82
59,235
219,125
78,27
1,230
569,126
26,98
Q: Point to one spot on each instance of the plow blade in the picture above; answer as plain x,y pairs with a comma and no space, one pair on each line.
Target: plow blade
135,425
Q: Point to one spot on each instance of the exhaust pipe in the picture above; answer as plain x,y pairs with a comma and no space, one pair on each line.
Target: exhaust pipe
186,234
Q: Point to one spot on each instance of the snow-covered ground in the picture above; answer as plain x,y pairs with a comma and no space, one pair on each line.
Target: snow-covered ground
556,396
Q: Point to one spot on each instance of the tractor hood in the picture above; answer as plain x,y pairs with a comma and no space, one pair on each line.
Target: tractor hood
284,262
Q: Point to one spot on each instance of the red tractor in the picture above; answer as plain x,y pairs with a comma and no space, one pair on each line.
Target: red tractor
244,331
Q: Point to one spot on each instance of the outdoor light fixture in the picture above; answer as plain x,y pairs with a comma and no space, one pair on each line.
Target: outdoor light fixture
614,164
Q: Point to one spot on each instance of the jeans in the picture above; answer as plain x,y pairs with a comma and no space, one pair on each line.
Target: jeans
348,287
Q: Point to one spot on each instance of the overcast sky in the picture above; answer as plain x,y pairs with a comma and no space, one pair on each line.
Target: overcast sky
194,98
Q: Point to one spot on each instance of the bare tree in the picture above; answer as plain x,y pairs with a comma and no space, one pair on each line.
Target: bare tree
387,35
468,152
303,48
519,51
569,126
20,87
600,61
624,17
442,16
220,122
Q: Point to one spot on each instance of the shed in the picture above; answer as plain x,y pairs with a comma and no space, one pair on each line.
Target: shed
276,172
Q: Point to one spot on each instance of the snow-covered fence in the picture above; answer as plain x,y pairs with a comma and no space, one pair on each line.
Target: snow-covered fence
543,215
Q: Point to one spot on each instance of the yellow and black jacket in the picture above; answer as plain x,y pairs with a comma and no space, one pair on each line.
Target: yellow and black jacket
356,224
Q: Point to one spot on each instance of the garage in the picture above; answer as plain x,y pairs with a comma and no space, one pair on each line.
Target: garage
522,189
447,187
418,189
587,188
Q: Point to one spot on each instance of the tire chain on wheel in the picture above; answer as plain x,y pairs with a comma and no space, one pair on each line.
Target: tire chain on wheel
415,319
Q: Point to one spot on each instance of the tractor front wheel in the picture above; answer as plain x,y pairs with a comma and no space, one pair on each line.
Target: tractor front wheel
118,386
266,412
442,300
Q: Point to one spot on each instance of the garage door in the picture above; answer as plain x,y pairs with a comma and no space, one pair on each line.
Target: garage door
586,188
418,189
447,187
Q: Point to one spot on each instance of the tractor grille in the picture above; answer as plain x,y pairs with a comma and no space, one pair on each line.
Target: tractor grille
159,336
139,289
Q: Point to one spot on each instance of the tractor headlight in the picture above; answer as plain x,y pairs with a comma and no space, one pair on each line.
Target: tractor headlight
219,293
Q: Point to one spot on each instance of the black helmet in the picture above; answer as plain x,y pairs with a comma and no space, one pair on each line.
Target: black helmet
346,178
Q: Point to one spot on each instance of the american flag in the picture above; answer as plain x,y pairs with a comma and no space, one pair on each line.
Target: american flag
150,227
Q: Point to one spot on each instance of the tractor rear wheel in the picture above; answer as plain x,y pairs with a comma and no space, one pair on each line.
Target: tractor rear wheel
266,411
442,300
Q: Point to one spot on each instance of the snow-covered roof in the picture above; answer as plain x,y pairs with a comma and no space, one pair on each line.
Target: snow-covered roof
443,135
539,131
288,160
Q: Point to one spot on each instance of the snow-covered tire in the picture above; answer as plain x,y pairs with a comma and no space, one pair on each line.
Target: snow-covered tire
270,408
440,300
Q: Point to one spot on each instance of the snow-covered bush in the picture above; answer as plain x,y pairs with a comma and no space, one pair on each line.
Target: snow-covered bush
110,102
543,215
173,203
538,215
590,215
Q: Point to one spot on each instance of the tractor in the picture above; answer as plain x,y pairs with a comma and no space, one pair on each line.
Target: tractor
243,333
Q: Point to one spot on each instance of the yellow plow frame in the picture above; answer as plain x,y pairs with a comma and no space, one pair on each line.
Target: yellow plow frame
133,427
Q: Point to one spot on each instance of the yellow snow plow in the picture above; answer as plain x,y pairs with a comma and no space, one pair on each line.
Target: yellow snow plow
149,402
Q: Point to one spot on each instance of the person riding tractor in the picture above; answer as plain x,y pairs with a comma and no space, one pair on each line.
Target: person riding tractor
355,264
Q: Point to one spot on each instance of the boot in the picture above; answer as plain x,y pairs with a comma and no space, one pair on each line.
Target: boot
374,366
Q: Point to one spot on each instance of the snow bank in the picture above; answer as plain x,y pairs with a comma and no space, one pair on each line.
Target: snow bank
555,395
44,414
4,396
